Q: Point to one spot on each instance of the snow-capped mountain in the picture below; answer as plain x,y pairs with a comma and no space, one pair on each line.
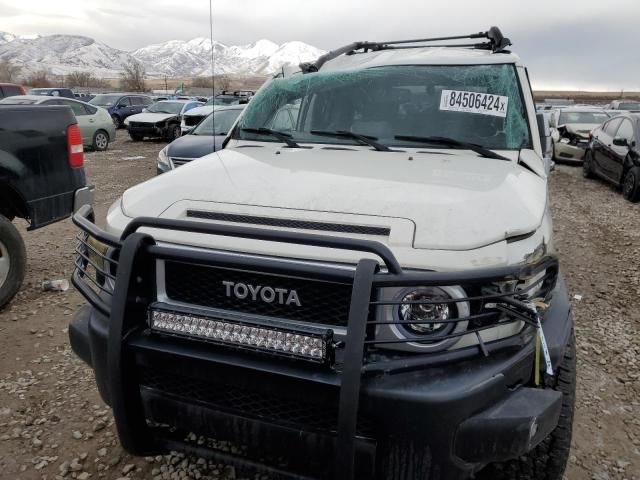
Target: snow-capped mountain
63,54
193,57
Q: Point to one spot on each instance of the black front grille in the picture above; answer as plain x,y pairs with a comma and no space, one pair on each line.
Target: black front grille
321,302
272,407
286,223
141,125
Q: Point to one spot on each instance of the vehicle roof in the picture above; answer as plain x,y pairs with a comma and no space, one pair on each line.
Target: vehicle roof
239,106
419,56
177,101
10,84
122,94
582,109
51,88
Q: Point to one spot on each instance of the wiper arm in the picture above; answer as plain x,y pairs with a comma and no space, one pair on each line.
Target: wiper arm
480,150
363,139
283,137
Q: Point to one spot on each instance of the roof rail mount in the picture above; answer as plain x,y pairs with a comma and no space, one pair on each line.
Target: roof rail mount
497,43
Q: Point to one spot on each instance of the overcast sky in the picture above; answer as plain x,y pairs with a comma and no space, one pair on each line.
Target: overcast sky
570,44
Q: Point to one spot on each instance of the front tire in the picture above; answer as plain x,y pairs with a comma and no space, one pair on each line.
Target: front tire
173,132
549,459
13,260
631,185
587,165
100,141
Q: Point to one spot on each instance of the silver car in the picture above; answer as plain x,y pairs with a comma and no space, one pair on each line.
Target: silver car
95,123
570,130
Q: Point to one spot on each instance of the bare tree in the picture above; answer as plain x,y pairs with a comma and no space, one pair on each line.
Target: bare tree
133,76
84,80
41,78
9,71
222,82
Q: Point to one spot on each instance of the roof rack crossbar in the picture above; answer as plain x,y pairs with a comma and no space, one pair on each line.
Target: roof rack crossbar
497,43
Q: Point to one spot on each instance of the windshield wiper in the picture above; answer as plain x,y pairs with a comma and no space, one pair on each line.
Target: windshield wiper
480,150
363,139
283,137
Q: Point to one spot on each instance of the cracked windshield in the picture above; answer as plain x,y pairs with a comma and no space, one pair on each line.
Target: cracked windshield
477,104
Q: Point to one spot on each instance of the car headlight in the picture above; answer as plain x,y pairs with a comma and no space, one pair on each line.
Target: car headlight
163,158
437,314
126,122
421,317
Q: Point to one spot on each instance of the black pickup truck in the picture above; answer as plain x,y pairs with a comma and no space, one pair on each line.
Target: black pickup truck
42,179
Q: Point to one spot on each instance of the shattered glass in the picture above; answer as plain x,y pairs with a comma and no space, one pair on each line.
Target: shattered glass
390,101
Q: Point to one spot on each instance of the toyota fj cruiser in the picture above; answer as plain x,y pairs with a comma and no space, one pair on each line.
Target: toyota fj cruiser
367,291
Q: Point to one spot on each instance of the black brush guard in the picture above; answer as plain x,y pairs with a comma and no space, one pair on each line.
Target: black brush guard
124,288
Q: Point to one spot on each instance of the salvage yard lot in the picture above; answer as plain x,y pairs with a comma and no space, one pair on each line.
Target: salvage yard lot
53,423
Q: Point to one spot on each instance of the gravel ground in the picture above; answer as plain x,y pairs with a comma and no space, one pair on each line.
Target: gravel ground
54,425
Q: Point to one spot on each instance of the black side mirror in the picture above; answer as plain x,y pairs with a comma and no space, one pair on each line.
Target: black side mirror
620,142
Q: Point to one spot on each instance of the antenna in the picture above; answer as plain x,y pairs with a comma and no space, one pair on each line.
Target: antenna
213,64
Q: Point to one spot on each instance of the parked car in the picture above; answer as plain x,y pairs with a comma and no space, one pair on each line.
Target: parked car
41,180
95,123
375,289
198,142
84,96
570,131
160,120
52,92
194,116
122,105
629,105
614,154
232,98
10,90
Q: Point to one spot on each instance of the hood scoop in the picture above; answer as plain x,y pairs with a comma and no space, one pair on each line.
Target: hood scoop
288,223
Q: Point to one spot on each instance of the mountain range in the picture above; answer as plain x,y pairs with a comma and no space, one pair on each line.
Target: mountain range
63,54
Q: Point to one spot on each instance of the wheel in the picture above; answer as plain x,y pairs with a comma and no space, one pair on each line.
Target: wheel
549,459
173,132
631,184
136,137
587,165
13,260
100,141
117,121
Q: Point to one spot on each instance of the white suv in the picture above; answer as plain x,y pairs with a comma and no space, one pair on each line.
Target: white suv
362,280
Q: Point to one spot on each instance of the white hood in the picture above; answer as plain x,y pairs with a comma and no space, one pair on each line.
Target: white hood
440,201
200,111
151,117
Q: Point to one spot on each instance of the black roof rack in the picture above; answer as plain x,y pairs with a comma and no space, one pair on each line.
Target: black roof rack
497,43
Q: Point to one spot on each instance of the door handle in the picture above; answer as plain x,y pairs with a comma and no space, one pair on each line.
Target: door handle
91,120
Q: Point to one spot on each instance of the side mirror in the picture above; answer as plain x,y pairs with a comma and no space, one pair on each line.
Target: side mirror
545,134
620,142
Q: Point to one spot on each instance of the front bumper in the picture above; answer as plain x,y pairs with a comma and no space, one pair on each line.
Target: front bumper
148,130
469,413
569,152
467,410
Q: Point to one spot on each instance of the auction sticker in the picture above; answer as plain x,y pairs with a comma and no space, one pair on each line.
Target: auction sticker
474,102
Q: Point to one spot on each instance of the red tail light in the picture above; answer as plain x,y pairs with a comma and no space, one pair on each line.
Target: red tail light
74,145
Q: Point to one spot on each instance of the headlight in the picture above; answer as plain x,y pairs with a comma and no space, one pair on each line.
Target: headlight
126,122
422,315
163,157
435,313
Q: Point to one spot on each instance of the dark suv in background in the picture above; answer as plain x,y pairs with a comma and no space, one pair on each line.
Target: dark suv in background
122,105
10,90
53,92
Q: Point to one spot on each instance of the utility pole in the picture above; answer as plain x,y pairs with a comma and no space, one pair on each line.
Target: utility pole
166,86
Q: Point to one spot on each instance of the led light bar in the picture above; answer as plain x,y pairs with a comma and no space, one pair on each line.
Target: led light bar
256,337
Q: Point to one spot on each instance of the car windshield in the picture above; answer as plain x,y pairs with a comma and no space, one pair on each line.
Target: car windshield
166,107
104,100
629,106
17,101
479,104
218,123
582,117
